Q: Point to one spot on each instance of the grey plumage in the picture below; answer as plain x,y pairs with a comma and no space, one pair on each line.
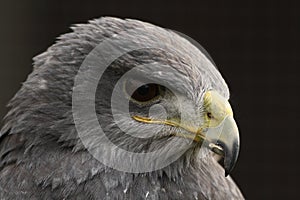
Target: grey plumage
42,157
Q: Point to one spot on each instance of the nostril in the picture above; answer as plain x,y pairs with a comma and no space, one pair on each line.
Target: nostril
209,115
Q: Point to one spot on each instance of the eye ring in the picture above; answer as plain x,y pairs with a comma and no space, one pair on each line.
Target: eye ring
145,94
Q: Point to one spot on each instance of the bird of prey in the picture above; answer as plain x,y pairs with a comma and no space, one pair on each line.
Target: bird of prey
177,110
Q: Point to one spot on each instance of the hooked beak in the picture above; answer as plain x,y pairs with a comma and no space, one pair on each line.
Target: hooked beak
224,141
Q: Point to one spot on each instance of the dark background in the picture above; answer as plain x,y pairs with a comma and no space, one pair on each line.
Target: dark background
255,44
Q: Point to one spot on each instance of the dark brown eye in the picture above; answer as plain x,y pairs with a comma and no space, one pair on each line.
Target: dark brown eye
145,92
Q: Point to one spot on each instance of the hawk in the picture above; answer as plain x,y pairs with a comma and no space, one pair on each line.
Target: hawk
163,110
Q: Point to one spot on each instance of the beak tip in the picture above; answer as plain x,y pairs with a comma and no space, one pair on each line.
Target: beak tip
226,173
229,164
231,156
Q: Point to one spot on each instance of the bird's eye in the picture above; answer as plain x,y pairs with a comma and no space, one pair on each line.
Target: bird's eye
144,93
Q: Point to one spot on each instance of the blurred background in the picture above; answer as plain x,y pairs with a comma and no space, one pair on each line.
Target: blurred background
255,45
